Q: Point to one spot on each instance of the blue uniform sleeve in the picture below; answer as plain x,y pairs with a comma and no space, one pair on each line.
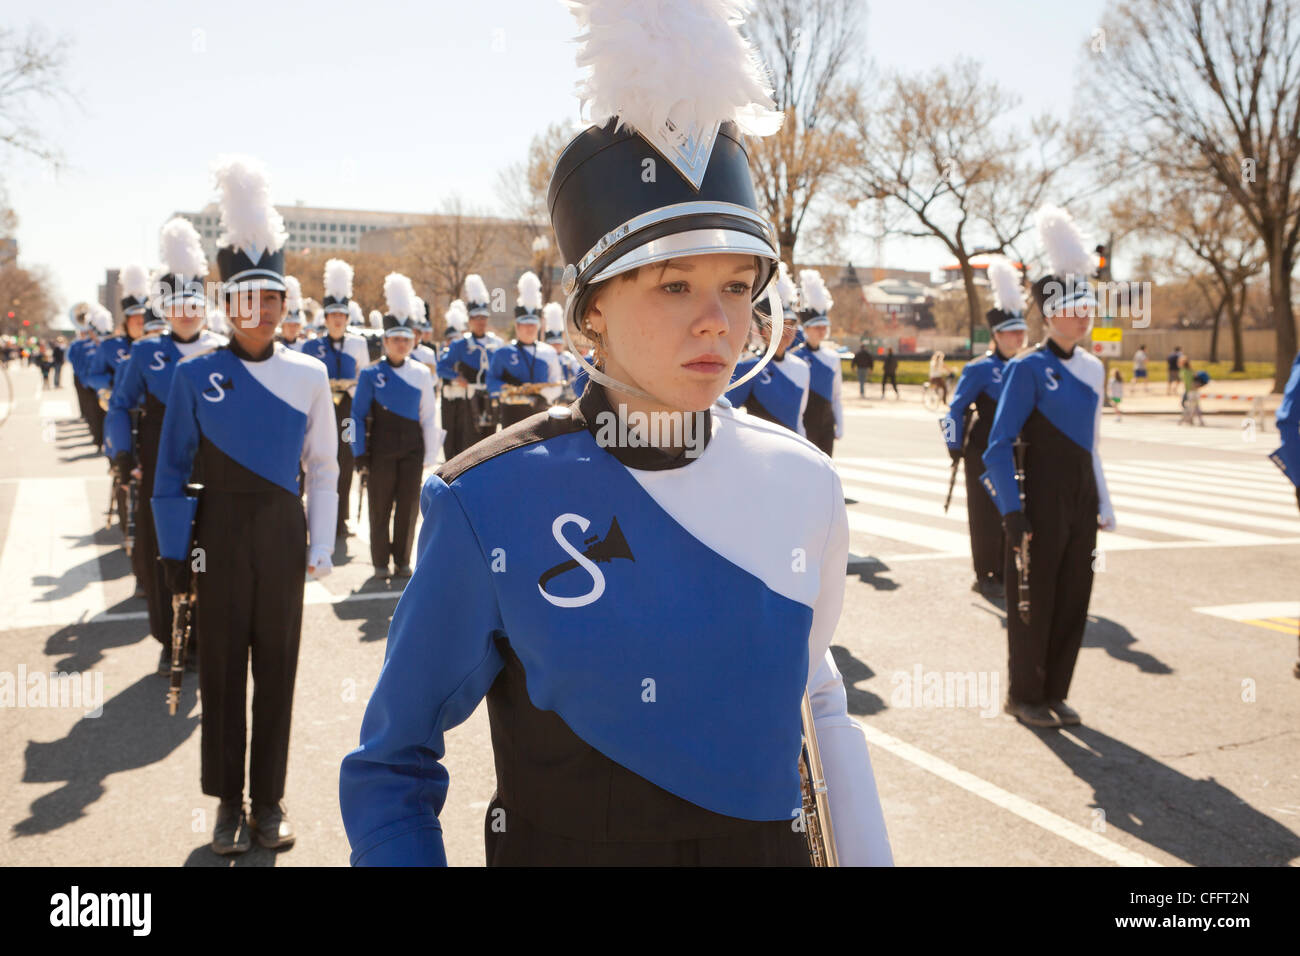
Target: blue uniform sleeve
99,372
954,421
176,450
447,361
128,393
440,662
360,409
496,365
1019,396
1287,457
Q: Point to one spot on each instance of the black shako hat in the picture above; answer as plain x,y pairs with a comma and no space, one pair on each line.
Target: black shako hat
609,219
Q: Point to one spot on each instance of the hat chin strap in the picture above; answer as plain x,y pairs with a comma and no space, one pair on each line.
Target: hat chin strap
596,375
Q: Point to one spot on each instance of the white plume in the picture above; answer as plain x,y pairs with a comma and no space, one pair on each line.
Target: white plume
182,249
457,315
355,315
338,279
553,317
417,311
376,319
248,220
813,292
1004,280
293,293
1064,243
101,320
134,281
785,286
530,291
399,293
476,289
651,59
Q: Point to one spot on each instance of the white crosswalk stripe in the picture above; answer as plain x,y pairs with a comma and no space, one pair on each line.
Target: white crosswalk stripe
1197,504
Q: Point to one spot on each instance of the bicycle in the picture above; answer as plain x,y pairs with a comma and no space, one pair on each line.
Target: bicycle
930,396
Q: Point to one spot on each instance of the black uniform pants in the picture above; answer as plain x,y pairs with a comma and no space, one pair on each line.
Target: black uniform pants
93,414
342,414
394,492
454,413
250,602
511,413
1041,654
987,539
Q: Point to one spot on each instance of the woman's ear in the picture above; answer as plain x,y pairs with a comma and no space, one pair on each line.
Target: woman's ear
595,318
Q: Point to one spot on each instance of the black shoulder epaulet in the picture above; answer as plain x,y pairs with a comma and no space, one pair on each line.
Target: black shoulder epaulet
529,431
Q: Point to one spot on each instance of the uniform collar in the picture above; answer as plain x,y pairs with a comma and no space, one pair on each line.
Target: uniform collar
237,350
193,338
594,401
1057,350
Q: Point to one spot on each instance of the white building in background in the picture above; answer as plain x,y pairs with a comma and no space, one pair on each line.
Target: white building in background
310,227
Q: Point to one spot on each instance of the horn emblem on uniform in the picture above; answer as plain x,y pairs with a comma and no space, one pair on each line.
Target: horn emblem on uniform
598,551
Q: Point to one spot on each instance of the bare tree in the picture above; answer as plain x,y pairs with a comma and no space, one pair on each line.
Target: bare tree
441,253
939,150
521,188
27,294
809,48
31,73
1221,79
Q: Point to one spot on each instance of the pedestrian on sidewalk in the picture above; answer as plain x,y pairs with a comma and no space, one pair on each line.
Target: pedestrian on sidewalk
1140,366
1171,380
890,374
1191,393
863,362
57,354
1116,390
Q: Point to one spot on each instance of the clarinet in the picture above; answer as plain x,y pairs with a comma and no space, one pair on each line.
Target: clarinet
132,486
814,797
1022,554
183,608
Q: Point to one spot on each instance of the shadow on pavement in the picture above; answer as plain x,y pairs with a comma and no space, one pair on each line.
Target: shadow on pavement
256,855
374,614
83,644
860,702
867,570
1117,641
1199,821
134,730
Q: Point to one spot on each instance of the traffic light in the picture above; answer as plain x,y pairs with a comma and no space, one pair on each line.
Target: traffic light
27,321
1103,264
11,315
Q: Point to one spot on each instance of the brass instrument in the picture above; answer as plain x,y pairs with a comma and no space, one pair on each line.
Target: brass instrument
816,803
105,395
519,394
339,387
1022,553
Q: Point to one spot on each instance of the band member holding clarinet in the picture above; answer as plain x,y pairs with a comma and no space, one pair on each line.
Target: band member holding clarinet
463,367
966,433
394,432
1051,402
824,414
344,354
178,297
602,615
248,415
524,376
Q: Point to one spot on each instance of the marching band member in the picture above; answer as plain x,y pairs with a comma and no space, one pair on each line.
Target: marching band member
518,371
344,354
290,335
395,436
981,385
111,353
453,398
426,348
247,415
623,731
1287,456
1052,401
824,418
80,353
146,380
780,392
463,368
553,323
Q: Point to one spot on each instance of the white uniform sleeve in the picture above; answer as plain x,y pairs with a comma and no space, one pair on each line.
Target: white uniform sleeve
553,374
837,382
433,435
355,346
320,468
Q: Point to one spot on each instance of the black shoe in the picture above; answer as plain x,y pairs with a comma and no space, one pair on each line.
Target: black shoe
1032,715
1067,715
271,824
231,832
403,572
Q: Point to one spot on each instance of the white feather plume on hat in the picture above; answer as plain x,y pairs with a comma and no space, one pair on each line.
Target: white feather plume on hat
813,292
400,296
134,281
417,310
248,220
553,317
785,286
1004,280
182,249
652,59
292,294
100,319
355,315
1064,243
457,316
530,291
338,279
376,319
476,289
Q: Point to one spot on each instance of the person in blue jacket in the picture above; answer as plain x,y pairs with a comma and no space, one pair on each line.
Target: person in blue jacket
80,353
645,621
1051,400
779,393
1287,456
967,434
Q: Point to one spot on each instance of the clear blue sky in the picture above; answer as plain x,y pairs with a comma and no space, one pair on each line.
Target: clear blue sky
382,105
